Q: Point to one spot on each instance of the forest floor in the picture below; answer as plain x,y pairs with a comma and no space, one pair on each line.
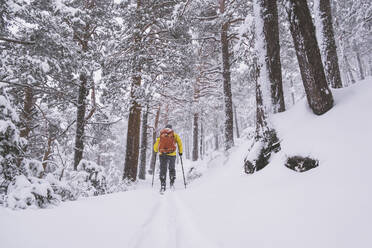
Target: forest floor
329,206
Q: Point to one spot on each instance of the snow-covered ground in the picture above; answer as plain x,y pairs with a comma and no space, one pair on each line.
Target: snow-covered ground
329,206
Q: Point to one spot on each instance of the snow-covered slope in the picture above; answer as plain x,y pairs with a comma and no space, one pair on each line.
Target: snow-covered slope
329,206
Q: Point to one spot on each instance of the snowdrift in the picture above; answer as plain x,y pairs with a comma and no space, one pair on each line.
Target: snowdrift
329,206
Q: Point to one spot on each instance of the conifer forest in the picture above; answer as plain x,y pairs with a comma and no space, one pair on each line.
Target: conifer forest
268,103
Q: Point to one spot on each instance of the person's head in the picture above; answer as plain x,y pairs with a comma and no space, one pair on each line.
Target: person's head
168,126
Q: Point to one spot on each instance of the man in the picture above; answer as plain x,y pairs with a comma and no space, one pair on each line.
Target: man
166,146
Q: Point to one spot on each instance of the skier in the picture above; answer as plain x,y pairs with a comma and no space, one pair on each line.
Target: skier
166,145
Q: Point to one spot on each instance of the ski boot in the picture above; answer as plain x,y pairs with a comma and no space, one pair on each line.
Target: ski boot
172,183
162,188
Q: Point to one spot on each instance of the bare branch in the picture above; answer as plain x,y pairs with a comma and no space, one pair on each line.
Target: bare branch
22,42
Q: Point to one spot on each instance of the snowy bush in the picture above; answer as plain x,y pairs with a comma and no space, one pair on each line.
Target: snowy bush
89,179
26,192
61,188
10,143
33,167
114,180
193,173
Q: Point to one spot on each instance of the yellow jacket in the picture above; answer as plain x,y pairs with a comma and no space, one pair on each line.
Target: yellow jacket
178,141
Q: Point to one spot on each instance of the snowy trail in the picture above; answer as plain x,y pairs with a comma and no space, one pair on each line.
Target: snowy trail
170,225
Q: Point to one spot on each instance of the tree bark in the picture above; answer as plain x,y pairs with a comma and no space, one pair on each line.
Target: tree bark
195,153
216,142
269,12
80,120
134,119
154,136
328,43
236,123
292,92
47,152
229,121
142,171
349,71
201,139
28,107
302,29
187,146
133,135
360,65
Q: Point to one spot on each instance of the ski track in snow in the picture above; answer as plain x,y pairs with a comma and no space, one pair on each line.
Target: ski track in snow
169,225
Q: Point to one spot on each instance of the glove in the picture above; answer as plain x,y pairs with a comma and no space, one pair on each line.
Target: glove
180,154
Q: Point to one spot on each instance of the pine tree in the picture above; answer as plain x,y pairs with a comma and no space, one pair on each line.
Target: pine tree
308,55
271,36
226,73
326,40
143,150
11,144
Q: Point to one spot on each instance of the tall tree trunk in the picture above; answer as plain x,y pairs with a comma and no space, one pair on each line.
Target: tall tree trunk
229,121
195,134
133,135
154,136
216,142
236,123
302,29
360,65
142,171
327,42
267,67
349,71
269,13
216,134
28,109
292,92
187,145
83,92
47,152
134,118
262,129
80,120
201,139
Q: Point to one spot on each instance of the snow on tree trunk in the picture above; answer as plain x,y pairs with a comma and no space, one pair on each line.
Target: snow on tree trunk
229,119
302,29
133,135
270,32
142,170
266,139
80,121
326,41
134,119
264,83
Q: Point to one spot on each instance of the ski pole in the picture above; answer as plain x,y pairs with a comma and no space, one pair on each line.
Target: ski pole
183,173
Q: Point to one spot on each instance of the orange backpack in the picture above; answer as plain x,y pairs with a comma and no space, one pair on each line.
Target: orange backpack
167,143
